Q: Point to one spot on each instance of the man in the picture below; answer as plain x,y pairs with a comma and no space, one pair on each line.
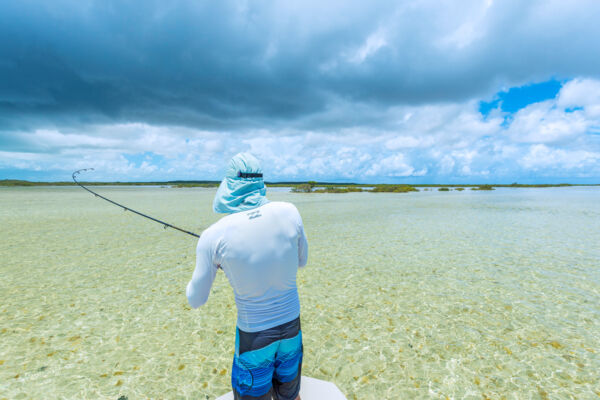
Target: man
259,246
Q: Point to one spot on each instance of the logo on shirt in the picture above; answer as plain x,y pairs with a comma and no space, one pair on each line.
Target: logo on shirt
254,214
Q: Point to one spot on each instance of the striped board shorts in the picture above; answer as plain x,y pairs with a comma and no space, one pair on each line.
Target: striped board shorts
268,363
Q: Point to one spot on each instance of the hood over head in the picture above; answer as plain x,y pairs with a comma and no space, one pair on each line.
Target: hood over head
243,187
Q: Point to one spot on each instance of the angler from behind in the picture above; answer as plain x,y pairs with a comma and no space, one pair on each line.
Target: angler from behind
259,246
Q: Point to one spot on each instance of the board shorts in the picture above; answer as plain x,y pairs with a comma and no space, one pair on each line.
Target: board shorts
268,363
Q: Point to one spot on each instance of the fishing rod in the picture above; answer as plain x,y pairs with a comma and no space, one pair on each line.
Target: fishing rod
164,224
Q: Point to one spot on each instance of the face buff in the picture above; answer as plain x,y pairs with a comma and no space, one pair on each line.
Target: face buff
243,187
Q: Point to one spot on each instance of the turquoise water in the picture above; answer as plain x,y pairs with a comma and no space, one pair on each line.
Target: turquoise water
418,295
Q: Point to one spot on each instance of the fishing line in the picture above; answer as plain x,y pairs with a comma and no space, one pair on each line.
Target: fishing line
164,224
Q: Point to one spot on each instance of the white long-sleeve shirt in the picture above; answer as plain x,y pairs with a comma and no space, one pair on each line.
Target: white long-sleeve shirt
260,251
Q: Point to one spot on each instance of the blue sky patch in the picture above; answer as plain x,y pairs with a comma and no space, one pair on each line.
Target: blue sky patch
520,97
573,109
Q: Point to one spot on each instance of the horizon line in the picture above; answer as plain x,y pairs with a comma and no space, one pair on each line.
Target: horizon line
24,182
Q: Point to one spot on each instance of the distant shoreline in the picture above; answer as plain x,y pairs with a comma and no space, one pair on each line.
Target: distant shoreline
180,183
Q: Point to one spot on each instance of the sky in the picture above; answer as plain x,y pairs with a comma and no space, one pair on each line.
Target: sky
349,91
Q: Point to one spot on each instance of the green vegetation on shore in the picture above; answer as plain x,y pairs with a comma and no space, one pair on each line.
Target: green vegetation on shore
483,187
394,188
189,185
334,189
16,182
303,187
309,187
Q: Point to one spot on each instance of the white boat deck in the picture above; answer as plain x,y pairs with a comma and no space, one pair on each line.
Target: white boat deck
310,389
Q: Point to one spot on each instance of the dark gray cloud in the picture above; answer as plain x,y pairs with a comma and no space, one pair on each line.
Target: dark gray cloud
250,64
328,90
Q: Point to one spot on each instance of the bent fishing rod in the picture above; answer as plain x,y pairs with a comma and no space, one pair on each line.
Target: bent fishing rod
164,224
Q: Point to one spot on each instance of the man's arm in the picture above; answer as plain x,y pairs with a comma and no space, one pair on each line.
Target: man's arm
302,244
198,288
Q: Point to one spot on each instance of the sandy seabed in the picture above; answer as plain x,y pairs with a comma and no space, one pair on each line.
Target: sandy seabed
419,295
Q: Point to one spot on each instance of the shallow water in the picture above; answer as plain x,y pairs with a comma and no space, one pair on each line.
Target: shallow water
417,295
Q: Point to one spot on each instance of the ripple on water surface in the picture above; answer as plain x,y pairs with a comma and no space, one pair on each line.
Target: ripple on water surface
405,295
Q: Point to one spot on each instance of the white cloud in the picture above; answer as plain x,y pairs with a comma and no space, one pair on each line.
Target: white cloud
446,164
540,157
373,43
583,93
407,142
472,27
546,123
433,140
394,166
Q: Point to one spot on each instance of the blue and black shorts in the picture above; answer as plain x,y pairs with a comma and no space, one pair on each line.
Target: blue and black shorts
268,363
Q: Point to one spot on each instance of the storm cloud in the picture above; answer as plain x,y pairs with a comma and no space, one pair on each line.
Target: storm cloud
393,88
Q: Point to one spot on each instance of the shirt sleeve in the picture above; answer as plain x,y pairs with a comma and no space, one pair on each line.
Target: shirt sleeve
198,288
